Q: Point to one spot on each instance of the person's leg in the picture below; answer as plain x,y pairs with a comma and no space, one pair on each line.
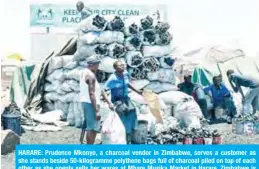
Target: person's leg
255,104
249,98
229,107
204,108
93,126
125,122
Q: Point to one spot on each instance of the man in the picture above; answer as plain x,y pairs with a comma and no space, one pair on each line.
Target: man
187,86
190,88
119,84
221,97
85,12
90,96
251,98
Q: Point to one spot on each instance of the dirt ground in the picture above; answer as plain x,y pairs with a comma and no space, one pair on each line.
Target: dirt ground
71,135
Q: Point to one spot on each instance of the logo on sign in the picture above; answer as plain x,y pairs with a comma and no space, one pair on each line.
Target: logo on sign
45,16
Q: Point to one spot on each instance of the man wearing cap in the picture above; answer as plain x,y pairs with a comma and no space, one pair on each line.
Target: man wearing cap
85,12
90,96
119,84
252,97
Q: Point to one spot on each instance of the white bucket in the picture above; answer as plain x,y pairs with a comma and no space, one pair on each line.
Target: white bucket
249,128
207,140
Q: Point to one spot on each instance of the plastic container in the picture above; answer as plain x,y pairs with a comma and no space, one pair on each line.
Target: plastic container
12,122
208,140
239,127
198,141
141,134
187,141
249,128
217,140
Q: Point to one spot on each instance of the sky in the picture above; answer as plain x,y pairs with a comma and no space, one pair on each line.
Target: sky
195,23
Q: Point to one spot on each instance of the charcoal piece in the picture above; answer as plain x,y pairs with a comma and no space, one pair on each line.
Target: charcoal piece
149,36
134,29
151,64
99,21
135,41
147,23
162,27
118,51
165,38
102,76
116,24
101,49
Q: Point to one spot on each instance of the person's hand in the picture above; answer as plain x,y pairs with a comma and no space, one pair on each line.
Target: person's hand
97,116
111,106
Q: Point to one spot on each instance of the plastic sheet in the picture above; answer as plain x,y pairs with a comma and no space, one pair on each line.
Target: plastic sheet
55,63
162,75
157,51
85,51
105,37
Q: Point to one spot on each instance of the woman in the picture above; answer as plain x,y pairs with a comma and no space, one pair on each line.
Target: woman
119,84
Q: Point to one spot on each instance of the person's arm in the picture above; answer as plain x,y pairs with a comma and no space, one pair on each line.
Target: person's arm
134,89
235,87
107,99
208,91
91,83
225,91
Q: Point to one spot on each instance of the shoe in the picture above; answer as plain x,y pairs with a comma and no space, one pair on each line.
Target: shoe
229,120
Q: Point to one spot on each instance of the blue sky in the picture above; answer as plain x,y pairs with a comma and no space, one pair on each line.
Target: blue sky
231,23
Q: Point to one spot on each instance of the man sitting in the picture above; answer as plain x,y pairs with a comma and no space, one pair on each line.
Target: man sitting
221,97
190,88
187,86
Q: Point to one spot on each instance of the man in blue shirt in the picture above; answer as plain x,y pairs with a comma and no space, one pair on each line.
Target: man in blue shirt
85,12
119,84
251,98
221,97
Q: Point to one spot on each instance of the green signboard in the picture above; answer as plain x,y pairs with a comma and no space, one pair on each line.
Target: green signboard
66,15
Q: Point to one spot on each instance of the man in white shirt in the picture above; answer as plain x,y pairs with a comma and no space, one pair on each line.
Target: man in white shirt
90,96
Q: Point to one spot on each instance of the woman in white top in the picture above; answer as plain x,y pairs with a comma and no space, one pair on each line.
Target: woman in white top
90,96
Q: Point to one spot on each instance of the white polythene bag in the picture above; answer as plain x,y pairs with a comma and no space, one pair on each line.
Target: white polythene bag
113,130
105,37
157,50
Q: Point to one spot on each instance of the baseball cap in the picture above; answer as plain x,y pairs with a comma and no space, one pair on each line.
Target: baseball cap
94,59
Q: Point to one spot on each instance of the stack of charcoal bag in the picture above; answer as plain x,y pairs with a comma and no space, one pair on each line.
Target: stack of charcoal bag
145,48
62,89
157,50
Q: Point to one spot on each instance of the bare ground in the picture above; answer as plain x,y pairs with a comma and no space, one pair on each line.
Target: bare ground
71,135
